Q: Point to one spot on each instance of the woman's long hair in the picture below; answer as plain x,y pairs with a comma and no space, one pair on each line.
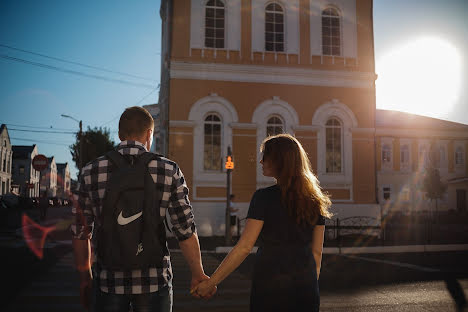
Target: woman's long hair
300,189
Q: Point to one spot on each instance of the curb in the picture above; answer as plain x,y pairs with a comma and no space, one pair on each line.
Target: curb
377,249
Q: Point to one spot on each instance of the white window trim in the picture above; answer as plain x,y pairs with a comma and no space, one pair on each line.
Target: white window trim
421,162
347,11
267,109
340,17
232,23
291,26
405,166
386,165
335,108
224,108
460,168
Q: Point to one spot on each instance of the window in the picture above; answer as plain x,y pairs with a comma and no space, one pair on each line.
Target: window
333,144
459,156
274,126
386,192
274,28
21,170
386,154
423,157
331,32
212,143
404,155
214,24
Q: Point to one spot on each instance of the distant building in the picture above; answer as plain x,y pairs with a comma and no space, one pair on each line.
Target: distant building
49,178
405,144
6,155
63,180
25,178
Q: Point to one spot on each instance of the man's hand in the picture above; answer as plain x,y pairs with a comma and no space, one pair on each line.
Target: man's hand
86,285
197,280
204,290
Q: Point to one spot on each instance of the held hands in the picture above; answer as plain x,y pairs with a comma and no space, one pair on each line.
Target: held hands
203,289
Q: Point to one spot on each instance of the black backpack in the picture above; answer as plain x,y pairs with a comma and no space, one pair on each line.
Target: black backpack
131,234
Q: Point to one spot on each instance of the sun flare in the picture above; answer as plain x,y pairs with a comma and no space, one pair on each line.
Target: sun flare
421,77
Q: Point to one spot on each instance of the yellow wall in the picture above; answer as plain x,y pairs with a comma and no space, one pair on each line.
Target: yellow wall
244,179
364,182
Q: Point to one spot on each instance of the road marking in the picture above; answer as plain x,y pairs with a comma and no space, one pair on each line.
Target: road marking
400,264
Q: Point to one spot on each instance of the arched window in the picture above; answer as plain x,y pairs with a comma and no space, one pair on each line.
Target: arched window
274,126
333,137
212,143
404,154
331,32
214,24
459,156
386,154
274,28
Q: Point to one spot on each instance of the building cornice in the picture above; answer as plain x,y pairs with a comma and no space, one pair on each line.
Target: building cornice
182,123
271,74
421,133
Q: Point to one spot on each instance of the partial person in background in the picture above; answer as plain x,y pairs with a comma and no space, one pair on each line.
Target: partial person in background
288,218
43,205
233,214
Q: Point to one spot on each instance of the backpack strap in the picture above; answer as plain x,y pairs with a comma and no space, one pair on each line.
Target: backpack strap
146,157
117,159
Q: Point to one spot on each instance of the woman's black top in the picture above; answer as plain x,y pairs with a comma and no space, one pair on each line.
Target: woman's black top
284,277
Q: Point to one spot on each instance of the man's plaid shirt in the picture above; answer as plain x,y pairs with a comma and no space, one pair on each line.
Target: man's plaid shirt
90,200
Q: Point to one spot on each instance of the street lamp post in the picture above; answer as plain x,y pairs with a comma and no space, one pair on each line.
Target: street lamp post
80,134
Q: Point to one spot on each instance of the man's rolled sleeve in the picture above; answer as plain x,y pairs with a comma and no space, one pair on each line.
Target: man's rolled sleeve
180,209
83,221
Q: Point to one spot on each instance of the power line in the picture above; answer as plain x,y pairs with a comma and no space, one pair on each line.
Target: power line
74,72
77,63
41,131
36,127
40,141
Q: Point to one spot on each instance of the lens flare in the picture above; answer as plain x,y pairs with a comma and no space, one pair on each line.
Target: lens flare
35,235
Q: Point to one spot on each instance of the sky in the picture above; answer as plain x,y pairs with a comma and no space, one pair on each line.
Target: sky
120,44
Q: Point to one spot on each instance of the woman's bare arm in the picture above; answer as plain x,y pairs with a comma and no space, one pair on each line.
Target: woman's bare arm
317,246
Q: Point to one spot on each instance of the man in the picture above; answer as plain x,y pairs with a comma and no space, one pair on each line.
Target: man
144,289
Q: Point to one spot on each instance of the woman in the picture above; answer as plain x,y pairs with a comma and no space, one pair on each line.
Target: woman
289,220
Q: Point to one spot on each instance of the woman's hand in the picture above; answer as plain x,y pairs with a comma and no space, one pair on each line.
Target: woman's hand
204,290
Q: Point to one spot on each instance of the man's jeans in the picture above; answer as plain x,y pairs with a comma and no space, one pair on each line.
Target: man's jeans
160,301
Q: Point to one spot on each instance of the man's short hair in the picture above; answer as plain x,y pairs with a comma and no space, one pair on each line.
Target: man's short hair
134,122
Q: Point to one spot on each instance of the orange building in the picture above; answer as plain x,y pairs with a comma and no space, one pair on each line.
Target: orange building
235,71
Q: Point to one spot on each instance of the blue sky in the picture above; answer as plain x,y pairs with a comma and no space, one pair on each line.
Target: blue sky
125,37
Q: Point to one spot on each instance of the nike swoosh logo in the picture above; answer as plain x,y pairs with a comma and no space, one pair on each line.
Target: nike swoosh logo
123,221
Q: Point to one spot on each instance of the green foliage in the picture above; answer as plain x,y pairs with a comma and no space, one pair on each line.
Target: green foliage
433,187
96,142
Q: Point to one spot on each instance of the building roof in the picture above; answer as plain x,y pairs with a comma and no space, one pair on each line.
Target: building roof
61,166
395,119
22,151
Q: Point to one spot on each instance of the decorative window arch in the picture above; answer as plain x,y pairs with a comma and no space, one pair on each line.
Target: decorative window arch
214,24
275,125
201,109
263,112
212,133
335,109
274,27
331,32
334,151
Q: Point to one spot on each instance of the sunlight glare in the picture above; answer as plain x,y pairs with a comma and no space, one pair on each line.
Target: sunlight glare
420,77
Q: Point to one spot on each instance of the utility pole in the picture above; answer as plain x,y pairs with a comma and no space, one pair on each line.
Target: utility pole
229,167
81,145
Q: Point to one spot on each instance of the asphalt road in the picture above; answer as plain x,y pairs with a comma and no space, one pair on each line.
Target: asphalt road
366,282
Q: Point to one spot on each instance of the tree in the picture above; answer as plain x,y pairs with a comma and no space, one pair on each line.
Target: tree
433,186
96,142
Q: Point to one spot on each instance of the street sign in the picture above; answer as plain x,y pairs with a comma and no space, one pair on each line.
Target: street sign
229,163
40,162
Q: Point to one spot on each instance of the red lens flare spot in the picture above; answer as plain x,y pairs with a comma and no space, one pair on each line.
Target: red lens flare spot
35,235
